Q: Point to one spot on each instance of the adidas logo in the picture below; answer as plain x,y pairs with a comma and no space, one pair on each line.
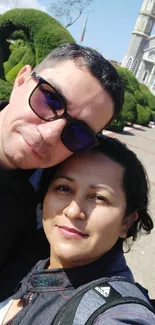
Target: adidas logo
104,291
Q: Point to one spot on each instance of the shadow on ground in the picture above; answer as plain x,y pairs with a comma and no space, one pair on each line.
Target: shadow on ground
125,132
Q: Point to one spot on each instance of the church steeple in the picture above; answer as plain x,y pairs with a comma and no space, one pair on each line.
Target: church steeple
140,34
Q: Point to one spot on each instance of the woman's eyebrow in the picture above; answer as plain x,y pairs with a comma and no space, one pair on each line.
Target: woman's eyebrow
65,177
103,187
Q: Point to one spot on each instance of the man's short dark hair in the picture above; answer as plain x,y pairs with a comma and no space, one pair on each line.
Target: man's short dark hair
99,67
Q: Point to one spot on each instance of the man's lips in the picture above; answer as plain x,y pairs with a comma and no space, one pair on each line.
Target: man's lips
71,232
37,151
33,150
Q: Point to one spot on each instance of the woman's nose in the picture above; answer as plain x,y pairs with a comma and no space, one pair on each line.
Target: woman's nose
74,210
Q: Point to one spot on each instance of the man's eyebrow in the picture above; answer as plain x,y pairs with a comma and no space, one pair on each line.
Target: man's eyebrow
104,187
59,91
65,177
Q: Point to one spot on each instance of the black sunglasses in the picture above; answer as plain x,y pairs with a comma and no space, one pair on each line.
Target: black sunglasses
47,103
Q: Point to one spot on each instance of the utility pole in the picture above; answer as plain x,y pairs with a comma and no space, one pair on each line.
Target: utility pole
16,3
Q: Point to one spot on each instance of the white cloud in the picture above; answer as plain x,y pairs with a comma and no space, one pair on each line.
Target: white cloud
6,5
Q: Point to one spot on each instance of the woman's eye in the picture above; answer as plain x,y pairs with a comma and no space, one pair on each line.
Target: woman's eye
100,198
63,188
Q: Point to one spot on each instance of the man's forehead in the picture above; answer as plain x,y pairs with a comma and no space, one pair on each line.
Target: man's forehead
85,96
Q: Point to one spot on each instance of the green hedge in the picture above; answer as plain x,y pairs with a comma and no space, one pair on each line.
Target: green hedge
43,32
125,80
117,125
152,117
14,58
141,98
139,101
36,34
150,98
5,90
129,112
143,115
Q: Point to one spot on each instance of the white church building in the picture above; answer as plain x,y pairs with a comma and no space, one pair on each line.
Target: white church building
140,55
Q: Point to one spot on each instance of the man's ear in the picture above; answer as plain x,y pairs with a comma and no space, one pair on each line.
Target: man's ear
127,223
22,76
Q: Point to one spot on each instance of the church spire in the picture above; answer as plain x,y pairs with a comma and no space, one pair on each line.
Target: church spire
140,34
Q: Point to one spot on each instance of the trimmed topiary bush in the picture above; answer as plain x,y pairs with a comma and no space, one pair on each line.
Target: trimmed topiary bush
14,58
11,75
35,35
124,78
5,90
143,115
129,112
117,124
152,117
42,32
141,98
150,98
132,79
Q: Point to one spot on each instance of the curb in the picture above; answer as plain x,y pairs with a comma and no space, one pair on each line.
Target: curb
126,128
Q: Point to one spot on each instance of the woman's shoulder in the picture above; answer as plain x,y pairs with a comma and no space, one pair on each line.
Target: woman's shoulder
133,314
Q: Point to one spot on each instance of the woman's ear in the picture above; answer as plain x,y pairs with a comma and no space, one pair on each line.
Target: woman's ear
22,76
127,223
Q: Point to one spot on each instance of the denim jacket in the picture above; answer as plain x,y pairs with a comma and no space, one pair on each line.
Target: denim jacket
45,291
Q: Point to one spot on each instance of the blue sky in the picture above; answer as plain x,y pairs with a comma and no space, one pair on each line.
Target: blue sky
109,26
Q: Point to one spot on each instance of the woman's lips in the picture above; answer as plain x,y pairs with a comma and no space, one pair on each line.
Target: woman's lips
71,232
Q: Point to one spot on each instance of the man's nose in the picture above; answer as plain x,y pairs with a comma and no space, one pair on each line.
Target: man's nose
51,131
74,210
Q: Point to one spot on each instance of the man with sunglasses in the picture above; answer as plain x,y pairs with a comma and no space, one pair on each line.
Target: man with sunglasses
54,111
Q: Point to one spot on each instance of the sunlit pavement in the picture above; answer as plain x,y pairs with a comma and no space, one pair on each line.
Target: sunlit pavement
141,258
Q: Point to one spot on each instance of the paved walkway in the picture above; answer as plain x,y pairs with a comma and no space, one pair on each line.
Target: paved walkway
141,258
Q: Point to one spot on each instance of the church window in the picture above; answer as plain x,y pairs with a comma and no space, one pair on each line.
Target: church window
137,23
144,4
129,63
149,26
152,55
145,76
135,65
124,61
143,24
149,5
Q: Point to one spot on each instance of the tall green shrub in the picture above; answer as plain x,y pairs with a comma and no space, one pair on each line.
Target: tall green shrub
150,97
35,34
5,90
117,125
143,115
124,78
129,112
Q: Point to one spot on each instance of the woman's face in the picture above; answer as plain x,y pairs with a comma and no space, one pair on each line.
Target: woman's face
83,210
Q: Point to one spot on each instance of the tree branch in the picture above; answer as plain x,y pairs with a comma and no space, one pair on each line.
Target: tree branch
74,21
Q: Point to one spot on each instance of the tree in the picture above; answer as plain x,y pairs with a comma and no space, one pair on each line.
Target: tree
70,10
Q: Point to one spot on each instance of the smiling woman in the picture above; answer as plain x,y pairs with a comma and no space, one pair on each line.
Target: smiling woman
92,202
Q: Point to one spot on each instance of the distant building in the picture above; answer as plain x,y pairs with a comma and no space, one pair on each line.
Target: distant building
140,56
115,63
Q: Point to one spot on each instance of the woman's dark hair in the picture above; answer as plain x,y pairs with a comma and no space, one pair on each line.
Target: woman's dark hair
134,183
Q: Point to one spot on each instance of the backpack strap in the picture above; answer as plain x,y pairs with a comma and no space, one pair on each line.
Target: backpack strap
96,297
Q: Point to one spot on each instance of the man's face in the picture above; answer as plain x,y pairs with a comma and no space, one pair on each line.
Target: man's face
29,142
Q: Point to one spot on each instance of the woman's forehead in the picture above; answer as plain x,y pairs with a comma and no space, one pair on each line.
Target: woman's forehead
95,166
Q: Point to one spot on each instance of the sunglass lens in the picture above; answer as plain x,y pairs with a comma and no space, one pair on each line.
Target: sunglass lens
77,137
46,103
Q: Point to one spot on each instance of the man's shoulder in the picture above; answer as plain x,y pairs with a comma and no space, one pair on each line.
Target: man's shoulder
3,103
